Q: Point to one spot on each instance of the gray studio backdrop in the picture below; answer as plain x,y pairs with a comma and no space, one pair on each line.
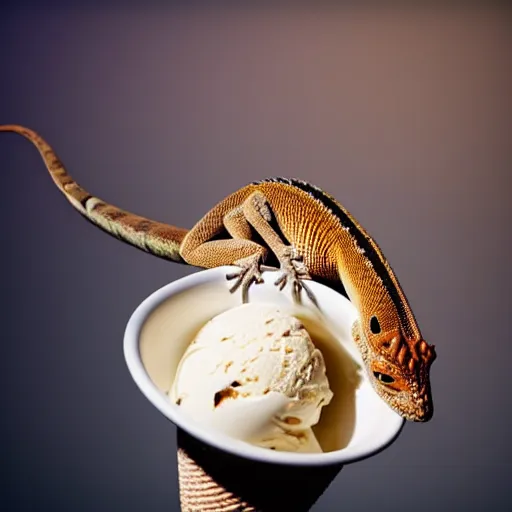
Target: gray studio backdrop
403,115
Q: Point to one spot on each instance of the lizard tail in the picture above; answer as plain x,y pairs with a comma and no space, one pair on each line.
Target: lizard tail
157,238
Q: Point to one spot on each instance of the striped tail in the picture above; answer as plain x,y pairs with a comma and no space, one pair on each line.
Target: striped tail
157,238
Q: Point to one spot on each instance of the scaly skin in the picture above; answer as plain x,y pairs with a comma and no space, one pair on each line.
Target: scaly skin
154,237
312,236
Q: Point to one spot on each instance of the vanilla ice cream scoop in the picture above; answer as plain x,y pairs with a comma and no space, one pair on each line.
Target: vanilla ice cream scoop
254,373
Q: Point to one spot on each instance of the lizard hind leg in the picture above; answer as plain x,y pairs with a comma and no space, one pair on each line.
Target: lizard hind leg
236,224
245,254
251,266
201,248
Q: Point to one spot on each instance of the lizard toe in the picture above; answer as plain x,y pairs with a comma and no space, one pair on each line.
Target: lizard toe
248,274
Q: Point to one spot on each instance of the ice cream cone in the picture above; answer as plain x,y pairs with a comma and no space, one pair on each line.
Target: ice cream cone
216,473
199,491
213,480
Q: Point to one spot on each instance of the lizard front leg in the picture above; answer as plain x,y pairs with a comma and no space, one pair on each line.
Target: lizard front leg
257,211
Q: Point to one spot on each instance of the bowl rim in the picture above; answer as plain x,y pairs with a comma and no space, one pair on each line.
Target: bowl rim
217,439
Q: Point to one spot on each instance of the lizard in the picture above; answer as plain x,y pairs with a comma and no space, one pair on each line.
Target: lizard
313,237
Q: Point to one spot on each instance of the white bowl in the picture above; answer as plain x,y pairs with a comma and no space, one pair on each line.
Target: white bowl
357,423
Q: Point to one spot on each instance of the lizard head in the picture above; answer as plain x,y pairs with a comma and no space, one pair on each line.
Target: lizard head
399,370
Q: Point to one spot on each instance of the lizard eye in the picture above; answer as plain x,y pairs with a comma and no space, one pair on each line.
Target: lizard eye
374,325
384,378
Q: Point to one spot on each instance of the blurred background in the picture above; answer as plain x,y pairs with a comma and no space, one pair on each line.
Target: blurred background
403,115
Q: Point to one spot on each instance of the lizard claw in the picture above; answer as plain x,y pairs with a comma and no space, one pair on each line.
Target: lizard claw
297,285
294,272
249,273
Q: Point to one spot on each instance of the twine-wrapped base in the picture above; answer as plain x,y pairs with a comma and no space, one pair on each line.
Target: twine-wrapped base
199,491
213,480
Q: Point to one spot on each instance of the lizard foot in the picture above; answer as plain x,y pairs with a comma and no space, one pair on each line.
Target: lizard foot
294,272
249,273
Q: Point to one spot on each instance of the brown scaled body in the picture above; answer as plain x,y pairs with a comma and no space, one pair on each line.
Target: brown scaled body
310,235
